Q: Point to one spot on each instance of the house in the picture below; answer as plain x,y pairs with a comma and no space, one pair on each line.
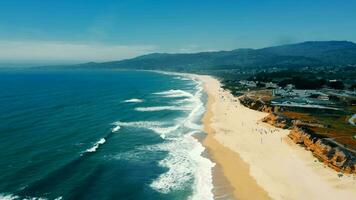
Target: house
248,83
323,97
290,87
271,85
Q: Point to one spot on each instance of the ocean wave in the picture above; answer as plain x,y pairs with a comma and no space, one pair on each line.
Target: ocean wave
185,163
15,197
137,155
174,93
184,101
158,127
133,101
186,167
203,178
160,108
142,124
182,78
197,109
115,129
96,145
8,197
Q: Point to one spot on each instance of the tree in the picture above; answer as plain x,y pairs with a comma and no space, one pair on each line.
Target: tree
338,85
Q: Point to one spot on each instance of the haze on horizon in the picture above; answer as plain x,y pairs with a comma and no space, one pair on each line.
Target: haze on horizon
70,31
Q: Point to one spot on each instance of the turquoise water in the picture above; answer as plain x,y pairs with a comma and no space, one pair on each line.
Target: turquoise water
101,135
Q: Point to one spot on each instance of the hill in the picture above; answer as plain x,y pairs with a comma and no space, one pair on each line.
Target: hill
315,53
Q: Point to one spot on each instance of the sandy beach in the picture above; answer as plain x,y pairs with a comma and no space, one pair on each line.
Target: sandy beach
259,161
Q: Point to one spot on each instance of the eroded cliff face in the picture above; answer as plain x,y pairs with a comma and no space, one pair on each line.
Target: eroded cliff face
256,104
281,121
278,120
333,154
325,149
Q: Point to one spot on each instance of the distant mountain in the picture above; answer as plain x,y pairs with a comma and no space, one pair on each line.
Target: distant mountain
331,52
316,53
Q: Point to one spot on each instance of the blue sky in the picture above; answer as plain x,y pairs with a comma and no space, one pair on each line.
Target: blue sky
99,30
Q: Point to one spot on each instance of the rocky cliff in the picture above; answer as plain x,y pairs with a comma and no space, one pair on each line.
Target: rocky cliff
279,120
257,104
333,154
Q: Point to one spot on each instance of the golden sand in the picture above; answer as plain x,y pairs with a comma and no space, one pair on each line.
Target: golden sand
258,160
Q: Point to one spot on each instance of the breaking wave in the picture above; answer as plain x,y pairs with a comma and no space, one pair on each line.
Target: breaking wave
160,108
15,197
96,145
174,93
182,78
8,197
160,128
185,162
115,129
133,101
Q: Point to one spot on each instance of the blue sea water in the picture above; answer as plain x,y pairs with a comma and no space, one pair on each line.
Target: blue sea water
101,135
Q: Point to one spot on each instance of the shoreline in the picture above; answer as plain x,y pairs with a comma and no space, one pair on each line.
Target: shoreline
259,161
226,160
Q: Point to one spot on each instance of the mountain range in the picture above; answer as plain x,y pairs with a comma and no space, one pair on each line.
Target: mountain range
305,54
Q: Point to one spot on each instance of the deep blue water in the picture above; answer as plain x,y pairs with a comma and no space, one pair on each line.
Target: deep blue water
101,135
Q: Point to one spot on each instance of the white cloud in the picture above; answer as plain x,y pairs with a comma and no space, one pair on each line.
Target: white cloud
58,51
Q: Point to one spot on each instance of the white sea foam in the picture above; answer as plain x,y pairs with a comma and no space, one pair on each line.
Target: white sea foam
15,197
133,101
174,93
8,197
136,155
161,108
115,129
185,162
143,124
183,101
182,78
96,145
158,127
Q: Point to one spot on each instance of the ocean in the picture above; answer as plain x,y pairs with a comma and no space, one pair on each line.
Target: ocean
102,135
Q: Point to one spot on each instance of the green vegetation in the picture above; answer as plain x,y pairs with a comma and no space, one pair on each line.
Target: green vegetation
295,56
301,80
309,79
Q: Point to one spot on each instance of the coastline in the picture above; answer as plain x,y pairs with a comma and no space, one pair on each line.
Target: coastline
259,161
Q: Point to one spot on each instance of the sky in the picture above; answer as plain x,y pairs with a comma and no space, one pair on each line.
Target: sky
74,31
